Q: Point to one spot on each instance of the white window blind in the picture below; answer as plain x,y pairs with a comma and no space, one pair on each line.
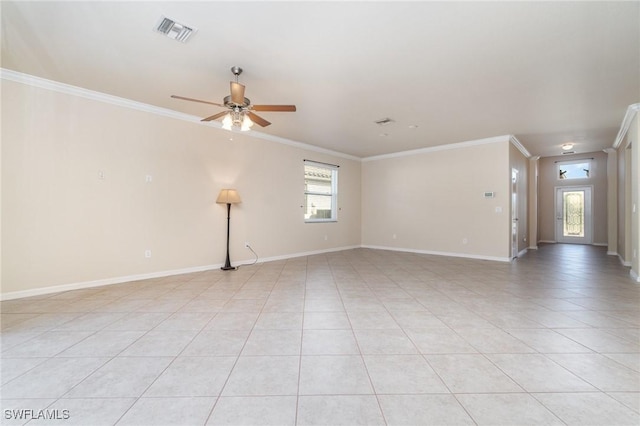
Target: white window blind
320,192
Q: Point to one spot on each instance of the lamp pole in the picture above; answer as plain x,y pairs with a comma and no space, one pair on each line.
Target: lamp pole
227,265
228,197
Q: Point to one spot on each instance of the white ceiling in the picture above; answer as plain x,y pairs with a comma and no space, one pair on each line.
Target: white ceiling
546,72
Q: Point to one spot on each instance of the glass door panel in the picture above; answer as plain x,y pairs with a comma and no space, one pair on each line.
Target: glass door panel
573,215
573,218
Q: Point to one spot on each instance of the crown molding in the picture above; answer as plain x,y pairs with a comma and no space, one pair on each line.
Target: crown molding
446,147
632,110
43,83
515,142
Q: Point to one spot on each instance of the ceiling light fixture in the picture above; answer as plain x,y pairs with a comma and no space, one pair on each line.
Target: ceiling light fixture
567,146
246,123
237,118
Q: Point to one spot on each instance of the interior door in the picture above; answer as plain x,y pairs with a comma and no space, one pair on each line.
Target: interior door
573,215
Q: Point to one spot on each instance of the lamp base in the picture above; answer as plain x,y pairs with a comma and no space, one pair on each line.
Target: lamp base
228,268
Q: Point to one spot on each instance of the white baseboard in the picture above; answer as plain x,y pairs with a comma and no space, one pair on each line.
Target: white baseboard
522,252
106,281
612,253
634,276
621,259
119,280
161,274
440,253
533,247
305,253
555,242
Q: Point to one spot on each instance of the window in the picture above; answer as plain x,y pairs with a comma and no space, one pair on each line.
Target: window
580,169
320,192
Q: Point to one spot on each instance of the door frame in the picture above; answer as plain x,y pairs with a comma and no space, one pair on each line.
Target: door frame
588,214
514,213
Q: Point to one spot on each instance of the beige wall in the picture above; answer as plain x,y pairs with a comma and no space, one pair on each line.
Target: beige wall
633,139
433,201
628,202
548,181
612,201
63,224
624,203
532,197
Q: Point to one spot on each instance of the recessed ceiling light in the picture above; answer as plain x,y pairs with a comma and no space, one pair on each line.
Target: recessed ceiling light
383,135
174,30
567,146
413,126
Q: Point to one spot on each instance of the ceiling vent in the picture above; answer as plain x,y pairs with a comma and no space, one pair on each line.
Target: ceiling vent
384,121
174,30
568,152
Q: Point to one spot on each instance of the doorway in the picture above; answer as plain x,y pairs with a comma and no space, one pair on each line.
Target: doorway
573,215
514,213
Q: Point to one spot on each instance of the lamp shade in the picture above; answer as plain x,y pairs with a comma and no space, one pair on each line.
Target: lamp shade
228,196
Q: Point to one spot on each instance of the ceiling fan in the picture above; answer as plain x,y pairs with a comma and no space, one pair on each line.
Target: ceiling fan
239,109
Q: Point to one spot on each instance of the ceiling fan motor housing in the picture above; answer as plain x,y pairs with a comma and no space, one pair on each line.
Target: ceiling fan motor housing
229,103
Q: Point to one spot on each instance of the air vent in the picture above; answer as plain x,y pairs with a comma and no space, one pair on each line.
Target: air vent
568,152
384,121
174,30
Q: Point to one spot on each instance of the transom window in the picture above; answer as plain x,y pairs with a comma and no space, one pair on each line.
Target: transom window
579,169
320,192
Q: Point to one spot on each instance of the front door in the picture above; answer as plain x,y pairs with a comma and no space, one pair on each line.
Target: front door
573,215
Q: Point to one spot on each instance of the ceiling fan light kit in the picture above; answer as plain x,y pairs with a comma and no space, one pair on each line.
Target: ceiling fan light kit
240,111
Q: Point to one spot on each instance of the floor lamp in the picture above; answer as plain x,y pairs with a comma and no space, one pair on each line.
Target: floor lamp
228,197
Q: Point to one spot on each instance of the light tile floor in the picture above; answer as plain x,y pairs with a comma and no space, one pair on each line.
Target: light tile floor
354,337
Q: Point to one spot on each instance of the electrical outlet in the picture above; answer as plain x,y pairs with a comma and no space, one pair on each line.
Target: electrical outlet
246,244
147,253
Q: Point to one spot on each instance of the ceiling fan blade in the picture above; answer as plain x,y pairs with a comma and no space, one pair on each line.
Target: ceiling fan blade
215,116
195,100
237,93
257,119
278,108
